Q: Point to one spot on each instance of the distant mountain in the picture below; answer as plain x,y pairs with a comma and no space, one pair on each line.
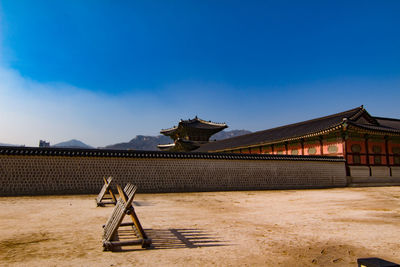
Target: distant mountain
228,134
2,144
72,144
142,142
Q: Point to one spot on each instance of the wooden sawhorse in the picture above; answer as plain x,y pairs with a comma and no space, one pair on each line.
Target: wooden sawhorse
102,195
122,208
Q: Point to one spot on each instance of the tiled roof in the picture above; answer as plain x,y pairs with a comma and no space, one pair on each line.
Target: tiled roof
387,122
195,123
357,117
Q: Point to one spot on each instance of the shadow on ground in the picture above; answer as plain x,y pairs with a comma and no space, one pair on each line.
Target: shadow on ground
182,238
142,203
176,238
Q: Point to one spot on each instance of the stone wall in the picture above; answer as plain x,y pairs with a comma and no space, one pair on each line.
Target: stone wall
41,171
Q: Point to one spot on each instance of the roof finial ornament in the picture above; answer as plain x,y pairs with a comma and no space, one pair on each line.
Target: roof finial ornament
362,106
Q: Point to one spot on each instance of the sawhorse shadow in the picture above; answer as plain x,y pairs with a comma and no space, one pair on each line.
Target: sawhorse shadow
182,238
177,238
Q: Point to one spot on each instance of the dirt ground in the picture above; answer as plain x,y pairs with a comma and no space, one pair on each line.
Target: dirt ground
331,227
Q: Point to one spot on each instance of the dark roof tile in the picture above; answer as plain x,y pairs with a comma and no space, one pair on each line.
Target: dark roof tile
392,123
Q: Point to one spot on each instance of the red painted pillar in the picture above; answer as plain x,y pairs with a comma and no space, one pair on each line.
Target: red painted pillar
321,144
286,148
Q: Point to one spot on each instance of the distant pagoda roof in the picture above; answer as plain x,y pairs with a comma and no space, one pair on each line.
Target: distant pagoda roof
195,123
358,119
191,134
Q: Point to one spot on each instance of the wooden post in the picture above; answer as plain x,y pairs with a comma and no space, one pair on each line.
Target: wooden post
367,152
344,147
302,147
387,154
387,150
272,149
286,148
321,144
366,148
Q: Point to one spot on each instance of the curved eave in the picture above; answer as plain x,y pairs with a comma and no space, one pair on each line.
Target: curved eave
169,131
389,132
295,138
166,147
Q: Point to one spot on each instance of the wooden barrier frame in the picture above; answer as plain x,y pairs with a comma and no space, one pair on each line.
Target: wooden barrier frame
102,195
124,206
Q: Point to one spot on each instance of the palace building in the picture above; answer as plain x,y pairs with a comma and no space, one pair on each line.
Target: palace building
370,145
191,134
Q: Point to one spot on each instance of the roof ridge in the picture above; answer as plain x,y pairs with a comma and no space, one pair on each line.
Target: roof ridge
388,119
211,122
320,118
204,121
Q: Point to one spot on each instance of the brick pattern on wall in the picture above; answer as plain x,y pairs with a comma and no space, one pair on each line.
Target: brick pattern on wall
42,175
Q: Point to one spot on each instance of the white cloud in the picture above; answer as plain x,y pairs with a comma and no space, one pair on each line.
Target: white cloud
56,112
30,111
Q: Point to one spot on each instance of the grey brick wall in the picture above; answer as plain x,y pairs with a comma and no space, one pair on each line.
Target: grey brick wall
41,175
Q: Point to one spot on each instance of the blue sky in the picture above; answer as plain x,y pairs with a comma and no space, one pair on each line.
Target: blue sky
105,71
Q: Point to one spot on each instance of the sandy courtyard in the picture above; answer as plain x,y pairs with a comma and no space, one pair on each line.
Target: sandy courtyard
330,227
